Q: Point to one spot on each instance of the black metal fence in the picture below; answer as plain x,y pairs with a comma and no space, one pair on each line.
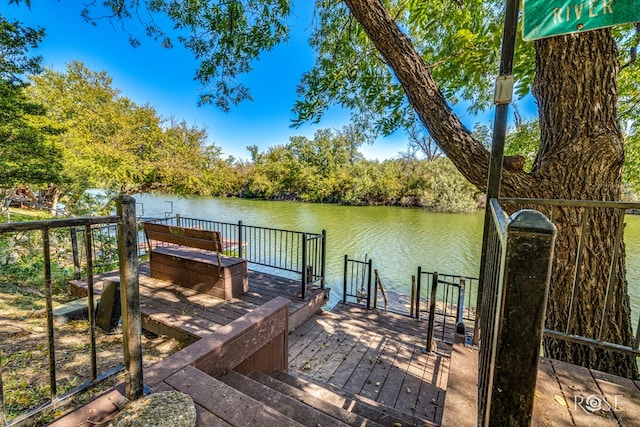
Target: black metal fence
450,297
296,252
357,283
586,214
300,253
514,287
126,231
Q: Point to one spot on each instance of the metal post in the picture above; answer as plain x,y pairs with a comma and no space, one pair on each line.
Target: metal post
304,265
413,296
130,296
520,320
432,312
240,239
504,88
375,290
460,328
344,288
75,252
369,285
177,219
91,301
323,266
49,307
418,292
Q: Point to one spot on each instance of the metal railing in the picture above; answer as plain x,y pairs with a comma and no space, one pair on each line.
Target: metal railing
583,215
104,249
450,296
296,252
357,281
514,287
130,306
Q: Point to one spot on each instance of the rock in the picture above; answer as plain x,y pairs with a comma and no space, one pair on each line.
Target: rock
166,409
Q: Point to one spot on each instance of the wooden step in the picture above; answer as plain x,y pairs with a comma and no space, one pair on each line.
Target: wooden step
336,412
286,405
362,406
225,402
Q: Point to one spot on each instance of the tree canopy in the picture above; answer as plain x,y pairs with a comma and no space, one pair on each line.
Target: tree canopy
111,142
27,158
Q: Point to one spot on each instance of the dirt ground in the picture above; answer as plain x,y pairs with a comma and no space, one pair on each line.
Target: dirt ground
24,350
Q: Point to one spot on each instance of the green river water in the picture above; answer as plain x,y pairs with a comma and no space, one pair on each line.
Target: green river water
398,240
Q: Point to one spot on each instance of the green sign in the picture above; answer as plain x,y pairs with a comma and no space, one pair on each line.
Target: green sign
546,18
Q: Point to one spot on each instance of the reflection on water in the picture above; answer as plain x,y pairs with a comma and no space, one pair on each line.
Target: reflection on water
397,239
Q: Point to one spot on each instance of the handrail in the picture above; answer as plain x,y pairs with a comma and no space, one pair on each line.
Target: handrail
358,277
128,260
595,341
515,287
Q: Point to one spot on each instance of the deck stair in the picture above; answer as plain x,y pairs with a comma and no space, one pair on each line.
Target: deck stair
314,404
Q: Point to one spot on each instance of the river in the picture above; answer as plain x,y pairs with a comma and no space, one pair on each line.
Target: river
398,240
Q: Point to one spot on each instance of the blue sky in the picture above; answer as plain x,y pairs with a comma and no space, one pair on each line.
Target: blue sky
163,78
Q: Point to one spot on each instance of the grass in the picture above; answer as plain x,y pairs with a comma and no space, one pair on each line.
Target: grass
24,348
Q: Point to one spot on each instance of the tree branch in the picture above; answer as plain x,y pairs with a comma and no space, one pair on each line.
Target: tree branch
468,155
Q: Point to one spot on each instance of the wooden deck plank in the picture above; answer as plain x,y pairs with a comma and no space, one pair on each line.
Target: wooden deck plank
442,382
432,391
387,319
383,329
549,405
579,388
412,382
172,305
362,372
302,330
391,389
231,405
301,344
302,361
339,355
328,348
354,357
622,397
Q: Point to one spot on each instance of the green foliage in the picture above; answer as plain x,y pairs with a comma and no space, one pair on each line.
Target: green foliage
112,143
21,260
460,42
25,156
524,141
330,168
226,37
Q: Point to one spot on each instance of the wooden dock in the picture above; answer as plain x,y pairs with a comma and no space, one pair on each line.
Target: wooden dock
566,394
376,358
376,355
188,315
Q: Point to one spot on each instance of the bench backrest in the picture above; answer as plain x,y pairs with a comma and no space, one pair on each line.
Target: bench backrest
184,236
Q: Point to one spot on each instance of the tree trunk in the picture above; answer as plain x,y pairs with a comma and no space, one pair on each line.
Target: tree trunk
580,158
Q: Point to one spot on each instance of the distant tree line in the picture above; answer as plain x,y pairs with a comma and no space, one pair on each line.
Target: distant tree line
67,132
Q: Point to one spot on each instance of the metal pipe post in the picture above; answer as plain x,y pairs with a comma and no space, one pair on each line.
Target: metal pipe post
504,90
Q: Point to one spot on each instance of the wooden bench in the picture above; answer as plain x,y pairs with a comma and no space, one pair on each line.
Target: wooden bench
190,257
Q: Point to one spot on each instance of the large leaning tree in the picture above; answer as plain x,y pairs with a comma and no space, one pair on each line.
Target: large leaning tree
394,62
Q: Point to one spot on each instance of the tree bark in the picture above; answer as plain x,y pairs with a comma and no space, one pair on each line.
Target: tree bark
580,158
